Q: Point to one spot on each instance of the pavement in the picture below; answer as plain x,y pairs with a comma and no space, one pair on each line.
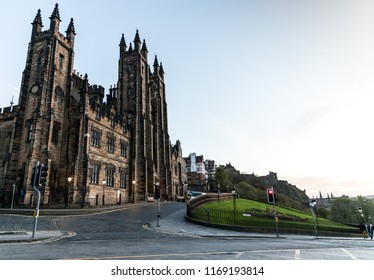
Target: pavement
12,232
172,224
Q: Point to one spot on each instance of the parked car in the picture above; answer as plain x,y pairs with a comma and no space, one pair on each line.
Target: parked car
193,194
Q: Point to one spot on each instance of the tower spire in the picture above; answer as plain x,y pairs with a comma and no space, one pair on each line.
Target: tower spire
55,13
55,19
137,41
70,32
71,28
161,69
155,65
37,24
122,46
38,18
144,46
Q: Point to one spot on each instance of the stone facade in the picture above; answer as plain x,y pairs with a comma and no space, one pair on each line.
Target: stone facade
178,171
197,176
99,148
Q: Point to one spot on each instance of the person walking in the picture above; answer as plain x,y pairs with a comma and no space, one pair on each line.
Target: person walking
363,230
370,228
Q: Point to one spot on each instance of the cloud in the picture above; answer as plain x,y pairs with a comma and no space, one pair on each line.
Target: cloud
327,185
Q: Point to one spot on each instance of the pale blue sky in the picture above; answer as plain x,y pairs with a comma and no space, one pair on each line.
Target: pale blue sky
283,86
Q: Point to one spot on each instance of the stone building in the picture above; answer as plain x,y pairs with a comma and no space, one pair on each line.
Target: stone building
197,175
99,148
178,173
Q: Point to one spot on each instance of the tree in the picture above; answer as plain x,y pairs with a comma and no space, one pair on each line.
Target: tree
322,212
223,177
366,206
343,210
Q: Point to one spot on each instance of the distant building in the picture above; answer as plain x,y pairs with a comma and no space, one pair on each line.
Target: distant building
196,173
210,167
178,171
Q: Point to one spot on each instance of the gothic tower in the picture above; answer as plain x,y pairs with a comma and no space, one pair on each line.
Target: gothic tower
142,98
43,103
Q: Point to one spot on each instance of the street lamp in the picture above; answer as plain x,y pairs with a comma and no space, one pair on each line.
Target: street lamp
14,191
133,190
312,205
104,183
67,191
233,191
70,179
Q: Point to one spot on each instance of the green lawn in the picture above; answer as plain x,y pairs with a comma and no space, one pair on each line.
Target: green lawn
262,215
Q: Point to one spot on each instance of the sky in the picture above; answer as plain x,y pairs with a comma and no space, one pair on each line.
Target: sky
285,86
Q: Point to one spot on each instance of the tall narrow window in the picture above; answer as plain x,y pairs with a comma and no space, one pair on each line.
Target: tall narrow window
97,112
110,146
61,62
55,132
124,146
30,131
112,121
110,176
96,138
94,178
122,178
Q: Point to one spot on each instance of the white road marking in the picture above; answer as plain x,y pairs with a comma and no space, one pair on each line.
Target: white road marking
349,254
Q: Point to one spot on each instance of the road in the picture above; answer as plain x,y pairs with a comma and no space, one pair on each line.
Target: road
131,234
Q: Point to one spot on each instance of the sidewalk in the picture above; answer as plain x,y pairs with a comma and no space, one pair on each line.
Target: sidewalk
13,234
68,211
177,224
174,223
26,236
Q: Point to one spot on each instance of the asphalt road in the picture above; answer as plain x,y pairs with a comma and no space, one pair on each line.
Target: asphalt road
131,234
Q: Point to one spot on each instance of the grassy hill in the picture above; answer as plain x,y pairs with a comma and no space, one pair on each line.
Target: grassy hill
260,216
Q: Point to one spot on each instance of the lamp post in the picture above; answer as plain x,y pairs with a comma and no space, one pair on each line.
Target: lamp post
359,209
133,190
312,205
234,201
218,190
104,182
67,191
70,179
14,191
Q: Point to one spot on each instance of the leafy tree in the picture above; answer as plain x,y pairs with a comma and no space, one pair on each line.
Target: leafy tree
343,210
322,212
366,215
223,177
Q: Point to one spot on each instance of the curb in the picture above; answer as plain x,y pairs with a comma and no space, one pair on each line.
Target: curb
69,211
27,236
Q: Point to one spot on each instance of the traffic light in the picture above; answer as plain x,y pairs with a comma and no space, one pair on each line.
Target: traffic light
157,191
270,195
42,175
34,175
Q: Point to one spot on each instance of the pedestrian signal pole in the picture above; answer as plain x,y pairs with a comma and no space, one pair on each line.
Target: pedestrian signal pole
36,181
158,196
271,199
